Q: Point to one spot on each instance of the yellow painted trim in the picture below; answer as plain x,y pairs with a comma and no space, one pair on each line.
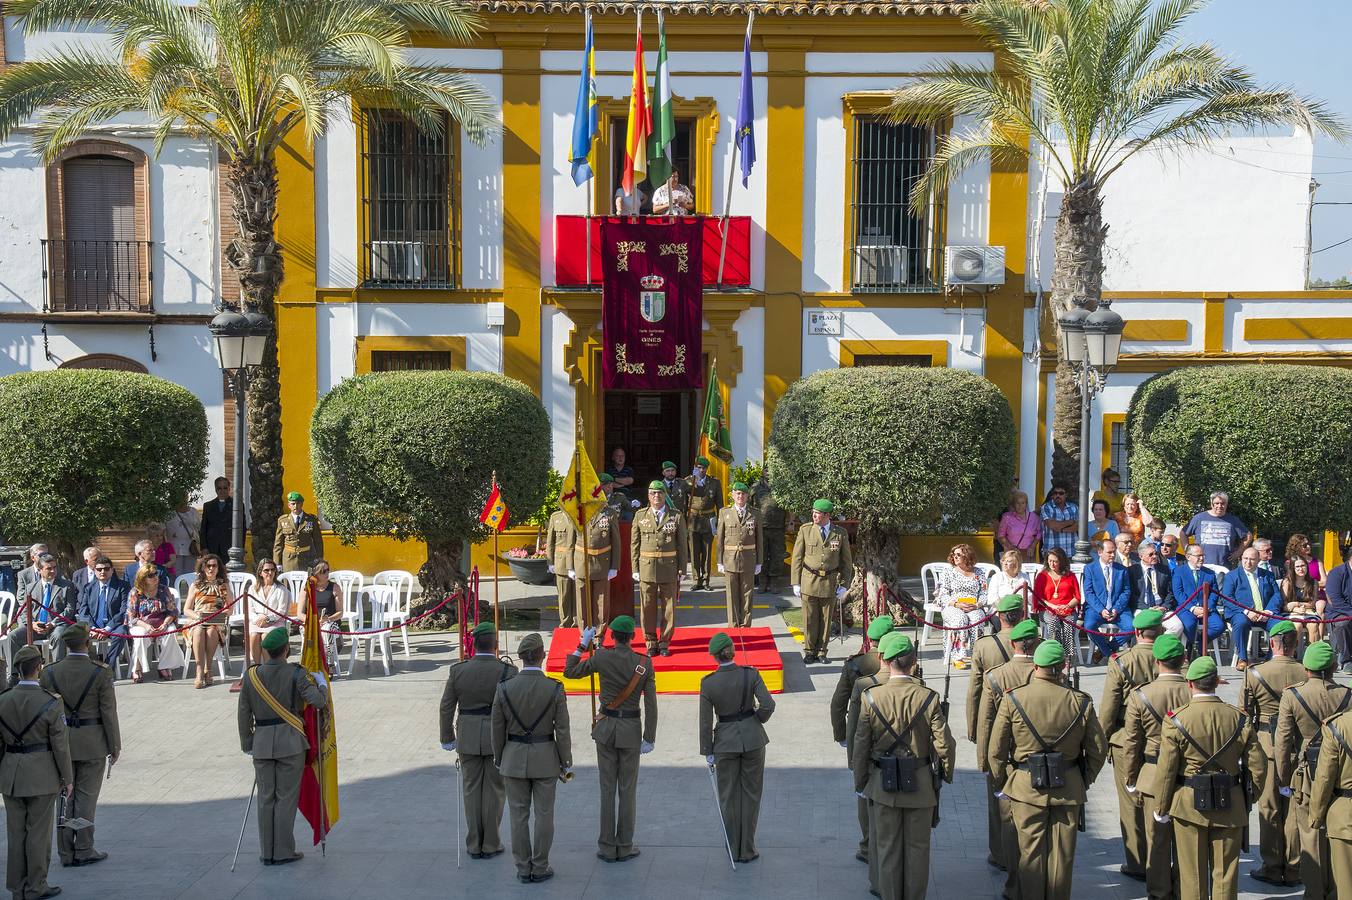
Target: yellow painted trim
369,344
394,296
1156,330
1163,362
1329,328
521,209
704,112
1332,555
1106,445
1233,295
937,351
672,682
297,352
1213,336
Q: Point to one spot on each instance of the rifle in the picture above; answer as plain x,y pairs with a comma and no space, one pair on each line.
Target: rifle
1084,779
943,704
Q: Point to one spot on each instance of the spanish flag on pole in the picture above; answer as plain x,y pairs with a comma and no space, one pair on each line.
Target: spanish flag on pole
714,441
581,482
319,781
640,122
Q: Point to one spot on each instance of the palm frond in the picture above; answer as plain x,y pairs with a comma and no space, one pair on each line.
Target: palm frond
449,18
960,151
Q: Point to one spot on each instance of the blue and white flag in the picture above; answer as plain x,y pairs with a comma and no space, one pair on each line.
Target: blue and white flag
746,113
585,112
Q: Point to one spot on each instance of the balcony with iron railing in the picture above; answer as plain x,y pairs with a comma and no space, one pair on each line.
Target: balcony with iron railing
97,276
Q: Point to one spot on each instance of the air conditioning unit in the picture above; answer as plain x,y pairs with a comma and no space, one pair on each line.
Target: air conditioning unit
397,261
974,266
880,267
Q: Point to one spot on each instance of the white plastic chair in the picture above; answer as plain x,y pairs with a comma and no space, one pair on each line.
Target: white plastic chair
182,585
929,580
294,582
991,569
1221,571
1030,570
374,597
240,583
399,609
349,581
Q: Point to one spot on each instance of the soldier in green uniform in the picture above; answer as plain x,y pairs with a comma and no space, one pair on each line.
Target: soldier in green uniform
596,557
560,536
988,652
534,752
1128,670
1046,748
1207,751
1331,796
1023,642
620,737
704,498
272,699
34,770
1297,745
470,688
657,547
774,522
902,751
823,568
741,551
1278,831
299,539
1146,708
617,498
737,699
678,499
860,669
86,689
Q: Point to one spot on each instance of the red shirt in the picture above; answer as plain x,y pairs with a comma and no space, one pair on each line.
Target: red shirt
1062,598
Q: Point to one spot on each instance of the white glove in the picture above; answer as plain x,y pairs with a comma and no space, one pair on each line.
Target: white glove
572,575
1163,820
842,743
248,753
841,592
321,680
709,759
860,795
797,591
568,771
550,568
449,747
713,525
1131,789
720,569
645,747
758,568
635,578
587,634
634,504
611,574
1285,791
1000,795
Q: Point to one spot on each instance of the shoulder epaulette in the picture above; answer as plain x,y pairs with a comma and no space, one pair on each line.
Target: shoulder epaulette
100,663
53,694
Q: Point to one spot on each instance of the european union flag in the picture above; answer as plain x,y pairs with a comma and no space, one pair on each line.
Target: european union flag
746,114
584,113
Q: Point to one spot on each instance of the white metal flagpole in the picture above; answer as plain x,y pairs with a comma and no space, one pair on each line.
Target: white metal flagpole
732,175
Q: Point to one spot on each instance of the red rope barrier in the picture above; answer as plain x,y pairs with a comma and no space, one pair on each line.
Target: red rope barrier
370,631
920,619
100,632
1292,619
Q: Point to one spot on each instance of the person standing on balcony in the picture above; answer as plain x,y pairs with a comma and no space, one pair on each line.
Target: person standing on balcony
673,198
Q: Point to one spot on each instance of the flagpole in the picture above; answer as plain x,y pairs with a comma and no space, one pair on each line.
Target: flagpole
496,561
732,174
633,200
586,611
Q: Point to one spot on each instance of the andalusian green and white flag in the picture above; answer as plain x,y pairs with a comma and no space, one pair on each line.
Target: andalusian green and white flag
663,116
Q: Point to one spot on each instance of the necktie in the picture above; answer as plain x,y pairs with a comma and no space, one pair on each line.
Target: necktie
1253,588
826,532
46,603
1108,578
741,514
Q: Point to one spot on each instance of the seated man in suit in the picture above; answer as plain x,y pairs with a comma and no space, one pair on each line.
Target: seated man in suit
85,573
1186,583
1254,592
1152,584
29,573
1169,552
1339,588
53,608
103,605
1107,599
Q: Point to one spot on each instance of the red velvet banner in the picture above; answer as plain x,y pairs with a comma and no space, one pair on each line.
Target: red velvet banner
652,305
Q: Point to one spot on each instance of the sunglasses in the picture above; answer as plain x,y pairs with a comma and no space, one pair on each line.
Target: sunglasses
211,566
321,571
102,568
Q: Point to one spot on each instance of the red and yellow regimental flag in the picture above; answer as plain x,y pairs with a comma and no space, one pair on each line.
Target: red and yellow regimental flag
319,781
581,496
494,513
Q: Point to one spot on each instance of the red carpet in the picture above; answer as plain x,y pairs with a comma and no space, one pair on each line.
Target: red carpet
680,673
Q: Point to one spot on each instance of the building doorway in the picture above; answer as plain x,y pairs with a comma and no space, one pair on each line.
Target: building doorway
652,427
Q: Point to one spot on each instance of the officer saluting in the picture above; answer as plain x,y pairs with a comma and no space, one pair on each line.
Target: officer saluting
90,708
1207,753
619,739
470,688
822,571
35,768
272,698
1046,749
735,696
902,751
741,550
988,652
300,537
1331,796
862,669
657,548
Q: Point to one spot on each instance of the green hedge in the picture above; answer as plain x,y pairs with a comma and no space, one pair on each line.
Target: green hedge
1276,438
88,449
902,449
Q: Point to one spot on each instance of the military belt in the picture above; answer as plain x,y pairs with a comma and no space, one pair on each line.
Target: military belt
741,547
620,713
28,748
1186,780
1151,758
81,723
260,723
1345,793
738,716
596,552
820,573
660,554
531,738
476,711
1024,765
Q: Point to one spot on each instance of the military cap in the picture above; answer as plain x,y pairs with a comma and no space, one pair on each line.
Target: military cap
1049,653
823,506
26,652
895,644
606,478
530,644
1167,647
1318,656
484,628
879,627
739,486
668,465
275,639
1023,631
295,495
656,486
76,634
622,624
1201,667
719,642
702,461
1009,603
1282,627
1148,618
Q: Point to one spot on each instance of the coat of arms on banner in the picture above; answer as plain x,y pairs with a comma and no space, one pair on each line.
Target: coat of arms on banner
652,300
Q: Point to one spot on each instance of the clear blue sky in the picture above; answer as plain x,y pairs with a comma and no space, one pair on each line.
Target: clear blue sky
1303,43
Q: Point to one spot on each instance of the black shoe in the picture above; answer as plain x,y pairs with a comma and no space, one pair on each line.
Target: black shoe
97,857
524,879
51,891
861,856
476,856
628,856
1260,875
992,861
752,858
665,651
823,658
651,649
601,856
290,859
489,854
1138,876
809,658
542,876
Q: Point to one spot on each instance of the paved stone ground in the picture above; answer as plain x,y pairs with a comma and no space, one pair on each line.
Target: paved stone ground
171,812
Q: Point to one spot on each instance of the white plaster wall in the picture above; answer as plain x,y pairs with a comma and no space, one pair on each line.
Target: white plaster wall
746,404
454,58
1026,414
622,61
891,63
558,396
20,46
1238,311
1114,399
964,334
1192,311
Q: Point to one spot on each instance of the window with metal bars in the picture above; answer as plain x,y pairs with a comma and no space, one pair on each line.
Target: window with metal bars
410,360
1117,454
894,250
893,359
409,203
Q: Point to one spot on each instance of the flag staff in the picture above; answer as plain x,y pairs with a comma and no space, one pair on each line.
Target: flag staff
585,575
732,169
496,561
640,109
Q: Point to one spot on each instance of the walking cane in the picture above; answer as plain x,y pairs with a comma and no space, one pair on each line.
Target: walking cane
713,780
459,802
245,824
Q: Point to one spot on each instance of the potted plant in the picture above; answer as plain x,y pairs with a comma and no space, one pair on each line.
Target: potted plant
529,564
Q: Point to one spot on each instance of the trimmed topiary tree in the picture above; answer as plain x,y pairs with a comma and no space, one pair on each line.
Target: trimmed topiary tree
903,450
89,449
1276,438
411,455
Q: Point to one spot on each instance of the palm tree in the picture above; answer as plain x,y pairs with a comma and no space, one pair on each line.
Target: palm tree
1091,83
243,75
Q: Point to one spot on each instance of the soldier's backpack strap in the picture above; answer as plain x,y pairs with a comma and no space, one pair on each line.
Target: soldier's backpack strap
1046,747
1338,736
1295,692
529,730
18,735
72,711
898,740
1239,729
1000,645
286,716
506,667
1263,681
618,700
1145,701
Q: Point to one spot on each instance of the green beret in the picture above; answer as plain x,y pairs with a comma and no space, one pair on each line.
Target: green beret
1282,627
26,652
275,639
1049,653
1202,667
1148,618
879,627
739,486
894,644
484,628
1009,603
76,634
702,461
294,495
1023,631
622,624
668,465
606,478
823,506
1318,656
1167,647
530,643
656,486
719,642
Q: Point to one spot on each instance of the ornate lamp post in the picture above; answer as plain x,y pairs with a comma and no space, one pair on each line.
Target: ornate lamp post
1092,342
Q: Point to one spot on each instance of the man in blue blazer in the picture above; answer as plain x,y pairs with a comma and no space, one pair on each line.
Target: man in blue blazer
103,605
1107,599
1187,579
1339,589
1254,592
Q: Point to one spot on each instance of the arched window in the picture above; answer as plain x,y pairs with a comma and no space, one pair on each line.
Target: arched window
104,361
